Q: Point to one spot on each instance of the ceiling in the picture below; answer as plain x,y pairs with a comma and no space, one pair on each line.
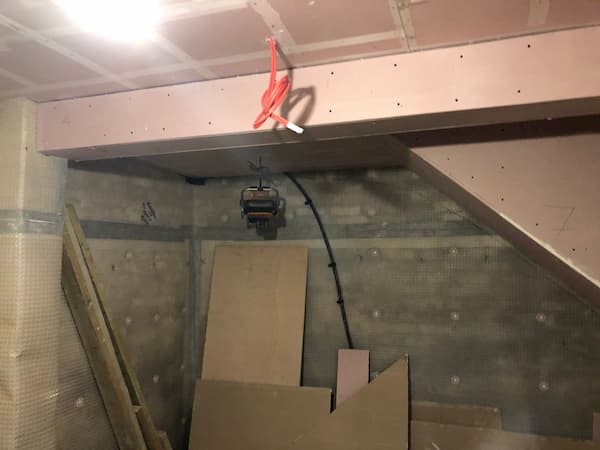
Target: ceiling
45,57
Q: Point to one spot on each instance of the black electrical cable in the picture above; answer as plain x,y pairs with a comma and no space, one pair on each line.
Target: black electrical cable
332,263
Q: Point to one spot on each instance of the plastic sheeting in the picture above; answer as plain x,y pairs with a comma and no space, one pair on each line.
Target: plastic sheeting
48,398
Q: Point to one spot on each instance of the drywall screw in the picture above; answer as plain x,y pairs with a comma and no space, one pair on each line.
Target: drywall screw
453,251
544,386
455,379
454,315
540,317
156,317
80,402
155,378
376,314
128,320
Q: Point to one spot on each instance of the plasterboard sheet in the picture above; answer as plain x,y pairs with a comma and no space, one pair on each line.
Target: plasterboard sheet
240,416
256,315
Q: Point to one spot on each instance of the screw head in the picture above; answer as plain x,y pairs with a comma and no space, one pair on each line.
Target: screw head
455,379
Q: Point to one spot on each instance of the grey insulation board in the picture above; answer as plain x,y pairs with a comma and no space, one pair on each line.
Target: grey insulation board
256,315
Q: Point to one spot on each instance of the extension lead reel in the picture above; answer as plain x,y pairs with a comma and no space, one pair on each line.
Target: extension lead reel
260,204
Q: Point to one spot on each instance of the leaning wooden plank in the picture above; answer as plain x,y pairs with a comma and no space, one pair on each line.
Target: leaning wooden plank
433,436
352,373
165,440
376,418
240,416
98,346
465,415
255,323
151,437
596,426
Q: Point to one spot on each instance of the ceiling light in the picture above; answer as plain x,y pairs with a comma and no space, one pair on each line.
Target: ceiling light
122,20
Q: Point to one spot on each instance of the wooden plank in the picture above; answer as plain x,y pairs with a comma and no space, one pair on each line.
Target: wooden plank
376,418
465,415
256,315
596,427
352,373
429,436
151,437
165,440
240,416
88,318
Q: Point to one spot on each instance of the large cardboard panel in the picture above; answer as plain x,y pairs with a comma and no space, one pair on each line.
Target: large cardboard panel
465,415
256,315
435,436
352,373
239,416
376,418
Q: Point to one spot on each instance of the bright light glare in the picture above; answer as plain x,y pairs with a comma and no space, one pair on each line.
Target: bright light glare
123,20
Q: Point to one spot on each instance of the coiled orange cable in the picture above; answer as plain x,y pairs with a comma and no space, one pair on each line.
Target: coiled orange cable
274,96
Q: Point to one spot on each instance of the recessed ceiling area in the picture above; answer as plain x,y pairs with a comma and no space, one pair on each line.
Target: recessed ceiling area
44,56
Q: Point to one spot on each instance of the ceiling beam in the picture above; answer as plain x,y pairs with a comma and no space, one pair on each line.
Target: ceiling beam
525,78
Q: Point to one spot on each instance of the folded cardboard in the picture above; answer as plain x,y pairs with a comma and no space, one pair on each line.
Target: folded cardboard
375,418
239,416
255,322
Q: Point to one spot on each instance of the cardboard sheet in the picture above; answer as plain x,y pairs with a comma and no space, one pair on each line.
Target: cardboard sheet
464,415
376,418
352,373
239,416
433,436
255,323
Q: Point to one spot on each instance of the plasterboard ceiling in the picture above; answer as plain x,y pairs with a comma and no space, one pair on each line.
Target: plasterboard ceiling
45,57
